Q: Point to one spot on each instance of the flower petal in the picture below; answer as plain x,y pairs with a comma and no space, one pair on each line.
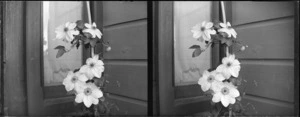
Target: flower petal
97,93
217,97
234,92
98,33
96,73
209,25
205,86
88,25
223,25
94,24
87,101
224,101
234,70
231,100
79,97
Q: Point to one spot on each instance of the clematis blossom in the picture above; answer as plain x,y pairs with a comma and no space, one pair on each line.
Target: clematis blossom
66,32
208,78
203,30
227,29
93,30
74,80
89,94
230,66
225,92
93,67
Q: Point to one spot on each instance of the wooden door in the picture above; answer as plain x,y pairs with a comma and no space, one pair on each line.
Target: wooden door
268,63
172,99
125,28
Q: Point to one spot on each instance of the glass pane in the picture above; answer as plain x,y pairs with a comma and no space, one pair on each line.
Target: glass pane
186,15
55,14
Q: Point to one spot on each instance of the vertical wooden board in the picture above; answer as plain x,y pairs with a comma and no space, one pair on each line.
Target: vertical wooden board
249,11
128,41
128,106
264,107
269,79
122,11
127,79
267,40
14,78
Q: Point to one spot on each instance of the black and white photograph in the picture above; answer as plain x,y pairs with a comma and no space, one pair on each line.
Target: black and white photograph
149,58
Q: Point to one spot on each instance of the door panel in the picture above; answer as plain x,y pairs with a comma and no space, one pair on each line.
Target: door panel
125,28
123,11
268,39
268,63
127,82
244,12
129,40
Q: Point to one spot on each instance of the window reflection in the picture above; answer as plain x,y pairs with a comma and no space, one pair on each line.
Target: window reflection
186,15
55,14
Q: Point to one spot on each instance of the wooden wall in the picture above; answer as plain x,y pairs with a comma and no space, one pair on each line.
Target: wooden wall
125,27
268,63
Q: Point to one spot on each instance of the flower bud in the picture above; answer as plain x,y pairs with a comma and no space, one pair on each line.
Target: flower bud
243,48
108,48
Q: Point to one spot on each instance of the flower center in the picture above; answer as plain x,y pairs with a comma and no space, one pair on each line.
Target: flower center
228,64
66,29
74,79
202,29
225,91
92,65
210,79
87,91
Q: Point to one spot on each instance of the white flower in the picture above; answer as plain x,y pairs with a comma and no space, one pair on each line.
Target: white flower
225,92
208,78
66,32
88,94
74,80
230,66
93,30
93,67
227,29
204,30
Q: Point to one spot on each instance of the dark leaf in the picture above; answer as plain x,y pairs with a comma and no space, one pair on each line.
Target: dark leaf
87,35
239,98
102,98
223,40
195,47
229,42
77,45
59,47
213,44
76,70
197,52
93,42
206,42
86,45
80,24
61,51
